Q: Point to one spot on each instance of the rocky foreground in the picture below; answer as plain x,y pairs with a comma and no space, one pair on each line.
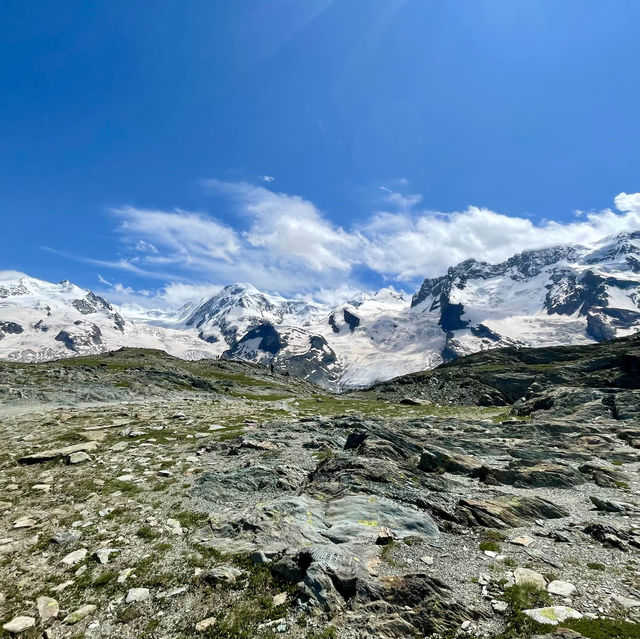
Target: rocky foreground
144,496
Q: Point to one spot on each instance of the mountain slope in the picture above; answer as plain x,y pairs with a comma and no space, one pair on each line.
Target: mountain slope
504,375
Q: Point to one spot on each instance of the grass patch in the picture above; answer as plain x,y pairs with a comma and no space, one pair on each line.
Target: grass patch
105,578
387,554
490,540
604,628
126,487
255,607
189,519
148,533
594,565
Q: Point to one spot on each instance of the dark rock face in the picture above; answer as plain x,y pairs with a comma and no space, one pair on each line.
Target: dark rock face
11,328
78,341
485,333
579,294
92,303
270,339
451,316
602,322
353,321
118,322
210,339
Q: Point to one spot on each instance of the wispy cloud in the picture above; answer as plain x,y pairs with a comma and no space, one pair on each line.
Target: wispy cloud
284,244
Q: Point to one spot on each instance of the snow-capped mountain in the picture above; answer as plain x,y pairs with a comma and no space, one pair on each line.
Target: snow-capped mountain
42,321
562,295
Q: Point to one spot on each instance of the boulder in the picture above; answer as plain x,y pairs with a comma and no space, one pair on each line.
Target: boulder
503,511
552,615
19,624
435,460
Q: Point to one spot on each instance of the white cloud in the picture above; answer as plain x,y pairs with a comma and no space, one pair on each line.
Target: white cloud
290,228
284,244
628,202
399,201
267,178
188,236
176,294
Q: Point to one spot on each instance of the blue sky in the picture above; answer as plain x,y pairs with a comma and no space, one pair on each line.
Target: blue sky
309,145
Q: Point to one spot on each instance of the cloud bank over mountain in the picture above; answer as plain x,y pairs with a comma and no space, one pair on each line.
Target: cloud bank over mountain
285,244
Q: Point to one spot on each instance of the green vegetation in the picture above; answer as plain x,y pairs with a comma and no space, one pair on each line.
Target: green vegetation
604,628
147,533
594,565
519,598
327,633
189,519
490,540
387,554
488,544
105,578
254,606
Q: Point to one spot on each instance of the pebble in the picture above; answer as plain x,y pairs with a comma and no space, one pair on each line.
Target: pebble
201,626
103,554
48,608
427,559
19,624
174,526
44,488
124,575
280,599
75,557
25,522
499,606
137,594
78,458
80,614
561,588
522,541
67,537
